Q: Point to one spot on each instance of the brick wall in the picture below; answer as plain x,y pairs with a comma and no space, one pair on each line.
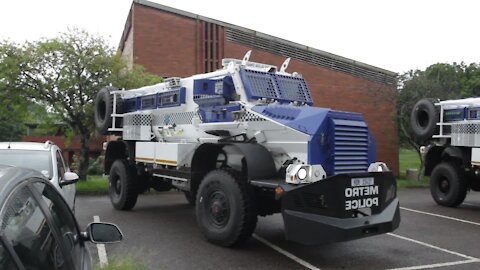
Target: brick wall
164,43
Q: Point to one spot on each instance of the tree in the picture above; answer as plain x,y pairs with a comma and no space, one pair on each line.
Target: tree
439,81
64,74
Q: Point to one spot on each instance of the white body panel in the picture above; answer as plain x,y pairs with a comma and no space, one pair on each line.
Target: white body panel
476,156
175,154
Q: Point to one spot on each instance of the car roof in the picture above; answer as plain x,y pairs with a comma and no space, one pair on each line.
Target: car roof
46,146
11,176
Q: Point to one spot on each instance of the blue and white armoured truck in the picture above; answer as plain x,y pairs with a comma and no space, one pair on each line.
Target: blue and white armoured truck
449,134
244,141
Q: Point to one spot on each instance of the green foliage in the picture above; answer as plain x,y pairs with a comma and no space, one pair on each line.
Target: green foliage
63,75
95,165
95,184
11,127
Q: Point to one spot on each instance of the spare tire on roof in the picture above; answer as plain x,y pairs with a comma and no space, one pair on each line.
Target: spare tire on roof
424,118
104,108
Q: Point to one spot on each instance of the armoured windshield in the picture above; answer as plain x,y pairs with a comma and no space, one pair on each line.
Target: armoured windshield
280,87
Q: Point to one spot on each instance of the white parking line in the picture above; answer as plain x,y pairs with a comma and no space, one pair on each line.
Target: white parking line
470,259
436,265
102,252
440,216
286,253
432,246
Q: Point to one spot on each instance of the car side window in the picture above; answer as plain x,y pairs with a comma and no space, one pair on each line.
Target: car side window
25,227
60,165
63,219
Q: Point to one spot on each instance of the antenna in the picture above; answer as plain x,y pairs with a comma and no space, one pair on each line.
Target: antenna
246,57
285,65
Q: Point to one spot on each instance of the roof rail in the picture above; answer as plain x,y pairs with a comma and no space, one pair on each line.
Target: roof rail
48,144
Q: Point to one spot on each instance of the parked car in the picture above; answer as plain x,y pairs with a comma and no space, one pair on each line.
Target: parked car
44,157
38,229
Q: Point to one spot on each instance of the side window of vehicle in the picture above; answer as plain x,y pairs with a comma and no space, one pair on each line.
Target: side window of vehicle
63,219
25,227
60,165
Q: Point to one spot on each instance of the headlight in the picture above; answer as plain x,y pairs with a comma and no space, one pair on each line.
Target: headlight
378,167
302,174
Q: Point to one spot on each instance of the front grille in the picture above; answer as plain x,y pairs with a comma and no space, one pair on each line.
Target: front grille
351,146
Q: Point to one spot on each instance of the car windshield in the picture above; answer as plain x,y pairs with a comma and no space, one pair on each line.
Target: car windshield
37,160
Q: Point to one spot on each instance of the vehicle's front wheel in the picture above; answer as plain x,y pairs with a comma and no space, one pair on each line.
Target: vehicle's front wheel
122,189
225,208
448,184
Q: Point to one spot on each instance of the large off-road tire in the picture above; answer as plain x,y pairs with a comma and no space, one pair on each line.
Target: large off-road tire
225,208
104,108
423,119
123,189
448,184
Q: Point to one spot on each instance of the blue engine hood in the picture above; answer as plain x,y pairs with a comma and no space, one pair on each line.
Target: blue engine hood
306,119
339,141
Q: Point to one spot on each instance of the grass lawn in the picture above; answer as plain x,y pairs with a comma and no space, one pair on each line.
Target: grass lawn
409,160
95,184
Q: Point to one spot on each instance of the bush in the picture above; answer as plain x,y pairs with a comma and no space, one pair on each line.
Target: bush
95,165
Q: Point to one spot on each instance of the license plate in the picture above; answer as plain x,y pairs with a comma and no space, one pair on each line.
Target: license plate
361,182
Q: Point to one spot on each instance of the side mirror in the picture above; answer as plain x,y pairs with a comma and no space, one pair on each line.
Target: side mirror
68,179
102,233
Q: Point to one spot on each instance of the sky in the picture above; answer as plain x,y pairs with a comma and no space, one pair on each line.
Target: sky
396,35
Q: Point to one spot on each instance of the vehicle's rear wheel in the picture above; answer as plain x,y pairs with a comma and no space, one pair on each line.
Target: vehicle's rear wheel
122,189
225,208
448,184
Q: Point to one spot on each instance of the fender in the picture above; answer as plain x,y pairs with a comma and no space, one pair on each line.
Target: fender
256,161
118,150
259,161
437,154
455,152
432,157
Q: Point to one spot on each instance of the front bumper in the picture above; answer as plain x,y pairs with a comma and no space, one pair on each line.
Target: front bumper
322,212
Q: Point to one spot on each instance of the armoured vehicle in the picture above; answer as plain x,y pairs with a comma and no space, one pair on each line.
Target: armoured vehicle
245,141
449,132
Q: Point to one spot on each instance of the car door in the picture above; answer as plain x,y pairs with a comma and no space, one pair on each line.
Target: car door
29,233
64,220
68,191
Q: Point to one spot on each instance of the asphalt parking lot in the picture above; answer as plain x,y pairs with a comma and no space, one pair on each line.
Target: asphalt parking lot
161,232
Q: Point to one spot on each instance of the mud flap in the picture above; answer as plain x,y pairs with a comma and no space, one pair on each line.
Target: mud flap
340,208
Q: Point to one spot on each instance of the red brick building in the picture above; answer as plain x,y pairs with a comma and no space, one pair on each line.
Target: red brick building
72,148
172,42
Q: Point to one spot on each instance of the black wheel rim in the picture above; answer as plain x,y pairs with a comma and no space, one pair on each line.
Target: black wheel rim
444,185
115,186
218,208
